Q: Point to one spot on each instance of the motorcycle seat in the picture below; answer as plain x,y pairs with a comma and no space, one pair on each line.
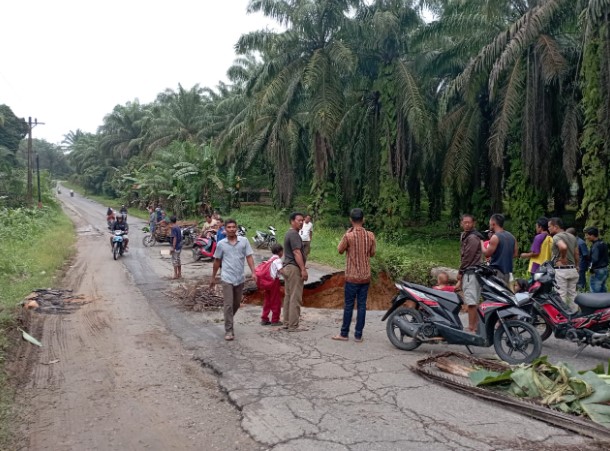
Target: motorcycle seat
593,300
447,295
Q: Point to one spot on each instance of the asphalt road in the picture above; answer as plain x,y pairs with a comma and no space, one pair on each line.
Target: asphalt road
304,391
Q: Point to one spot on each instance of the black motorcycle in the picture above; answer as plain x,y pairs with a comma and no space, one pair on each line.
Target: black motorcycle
433,317
589,325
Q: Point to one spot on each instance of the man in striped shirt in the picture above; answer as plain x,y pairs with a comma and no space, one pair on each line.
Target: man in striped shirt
360,247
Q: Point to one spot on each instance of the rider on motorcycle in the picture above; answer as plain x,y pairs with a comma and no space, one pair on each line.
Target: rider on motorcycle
121,224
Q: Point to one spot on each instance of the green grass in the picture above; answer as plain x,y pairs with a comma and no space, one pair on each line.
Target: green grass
37,255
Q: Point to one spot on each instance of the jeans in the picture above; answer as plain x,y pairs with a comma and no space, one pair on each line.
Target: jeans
582,279
598,280
359,292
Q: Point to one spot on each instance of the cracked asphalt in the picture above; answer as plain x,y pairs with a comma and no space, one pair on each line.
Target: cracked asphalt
304,391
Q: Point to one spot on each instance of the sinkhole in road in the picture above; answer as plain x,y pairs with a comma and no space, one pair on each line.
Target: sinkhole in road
328,294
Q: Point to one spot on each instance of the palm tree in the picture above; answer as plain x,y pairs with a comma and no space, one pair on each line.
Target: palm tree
124,130
299,89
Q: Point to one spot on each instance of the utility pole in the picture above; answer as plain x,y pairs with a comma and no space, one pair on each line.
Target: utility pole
29,158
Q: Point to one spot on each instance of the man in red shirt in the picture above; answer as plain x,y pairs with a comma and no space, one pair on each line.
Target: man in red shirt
360,247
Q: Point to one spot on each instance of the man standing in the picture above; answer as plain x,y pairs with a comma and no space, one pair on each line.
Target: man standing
502,248
295,274
470,255
232,252
599,261
176,242
584,259
565,259
360,247
306,233
541,246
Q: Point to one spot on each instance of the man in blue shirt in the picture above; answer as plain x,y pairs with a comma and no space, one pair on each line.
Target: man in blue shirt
599,261
232,252
176,242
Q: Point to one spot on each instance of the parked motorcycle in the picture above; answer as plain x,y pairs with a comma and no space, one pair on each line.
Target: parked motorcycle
262,239
435,319
241,230
189,234
118,244
588,326
204,247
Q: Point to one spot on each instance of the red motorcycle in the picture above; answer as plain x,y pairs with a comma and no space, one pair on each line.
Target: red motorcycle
204,246
590,325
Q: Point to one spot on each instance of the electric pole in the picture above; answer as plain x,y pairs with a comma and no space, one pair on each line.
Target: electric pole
29,158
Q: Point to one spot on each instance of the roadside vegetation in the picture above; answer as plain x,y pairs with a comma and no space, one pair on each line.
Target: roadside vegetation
35,244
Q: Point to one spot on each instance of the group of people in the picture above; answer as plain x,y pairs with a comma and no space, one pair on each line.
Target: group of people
552,242
235,251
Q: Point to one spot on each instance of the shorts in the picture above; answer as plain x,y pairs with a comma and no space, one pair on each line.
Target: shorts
471,288
176,257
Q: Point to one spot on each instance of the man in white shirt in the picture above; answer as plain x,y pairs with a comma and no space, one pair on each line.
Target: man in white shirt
306,233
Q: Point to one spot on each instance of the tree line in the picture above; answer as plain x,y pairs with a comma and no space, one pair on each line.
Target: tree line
496,105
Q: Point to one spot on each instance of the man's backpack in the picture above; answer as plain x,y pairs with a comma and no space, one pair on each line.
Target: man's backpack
264,281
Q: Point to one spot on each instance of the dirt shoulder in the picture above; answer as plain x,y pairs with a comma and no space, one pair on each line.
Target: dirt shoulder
111,376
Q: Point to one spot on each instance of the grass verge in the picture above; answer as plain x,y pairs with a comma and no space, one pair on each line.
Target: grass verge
41,244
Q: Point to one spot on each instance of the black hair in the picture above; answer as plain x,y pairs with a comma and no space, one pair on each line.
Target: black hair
543,223
276,249
556,222
356,214
498,219
522,283
229,221
592,231
294,215
468,215
173,219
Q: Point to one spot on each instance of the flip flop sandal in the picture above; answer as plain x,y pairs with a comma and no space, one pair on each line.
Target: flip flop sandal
339,338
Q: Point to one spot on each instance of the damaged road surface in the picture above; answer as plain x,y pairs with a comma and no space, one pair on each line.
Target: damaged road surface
124,381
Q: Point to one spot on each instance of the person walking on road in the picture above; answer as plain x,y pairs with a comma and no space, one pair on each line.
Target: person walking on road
295,274
306,233
176,242
502,249
232,252
599,261
360,246
471,254
565,259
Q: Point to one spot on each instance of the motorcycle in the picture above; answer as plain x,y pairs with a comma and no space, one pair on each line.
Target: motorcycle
189,235
588,326
204,246
71,193
118,245
241,230
435,319
262,239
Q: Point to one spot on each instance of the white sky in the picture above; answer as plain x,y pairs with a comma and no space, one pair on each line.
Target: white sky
69,62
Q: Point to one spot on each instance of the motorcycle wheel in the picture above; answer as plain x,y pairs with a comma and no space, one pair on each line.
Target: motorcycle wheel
528,344
396,336
188,240
115,251
271,242
196,254
542,327
148,240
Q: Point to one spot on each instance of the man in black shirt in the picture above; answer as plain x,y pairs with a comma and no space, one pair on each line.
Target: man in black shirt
599,261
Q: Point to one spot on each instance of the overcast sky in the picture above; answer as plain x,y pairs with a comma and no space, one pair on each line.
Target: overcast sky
69,62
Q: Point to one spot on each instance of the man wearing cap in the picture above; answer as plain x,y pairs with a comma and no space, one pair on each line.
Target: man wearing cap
599,261
564,254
